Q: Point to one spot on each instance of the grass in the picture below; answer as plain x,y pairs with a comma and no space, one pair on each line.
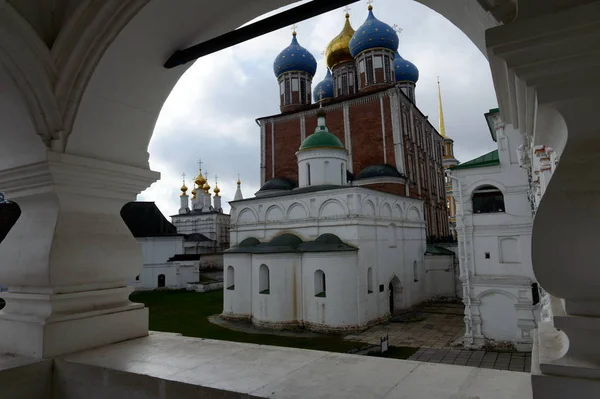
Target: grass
187,313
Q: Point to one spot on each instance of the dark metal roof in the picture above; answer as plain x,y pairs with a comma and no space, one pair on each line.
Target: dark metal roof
9,214
144,219
433,250
383,170
184,257
296,191
286,243
197,237
489,159
278,184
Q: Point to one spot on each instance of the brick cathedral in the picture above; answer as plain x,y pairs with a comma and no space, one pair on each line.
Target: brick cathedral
369,97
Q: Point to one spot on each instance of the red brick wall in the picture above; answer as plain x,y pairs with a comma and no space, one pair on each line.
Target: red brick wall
365,129
389,134
287,142
397,189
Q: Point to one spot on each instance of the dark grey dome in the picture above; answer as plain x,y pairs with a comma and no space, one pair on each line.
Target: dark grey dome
328,238
249,242
278,184
383,170
284,240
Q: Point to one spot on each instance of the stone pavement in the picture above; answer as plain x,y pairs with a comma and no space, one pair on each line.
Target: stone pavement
484,359
436,325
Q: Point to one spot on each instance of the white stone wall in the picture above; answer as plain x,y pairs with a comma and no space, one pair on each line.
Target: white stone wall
327,166
495,250
156,252
389,232
440,278
238,301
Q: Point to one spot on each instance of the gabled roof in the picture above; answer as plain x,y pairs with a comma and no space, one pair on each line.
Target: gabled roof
489,159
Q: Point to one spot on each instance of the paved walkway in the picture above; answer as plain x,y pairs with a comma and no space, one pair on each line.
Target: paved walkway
488,360
436,325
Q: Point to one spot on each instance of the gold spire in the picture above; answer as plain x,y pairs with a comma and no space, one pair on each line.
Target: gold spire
217,190
206,186
239,181
338,49
442,126
200,180
183,187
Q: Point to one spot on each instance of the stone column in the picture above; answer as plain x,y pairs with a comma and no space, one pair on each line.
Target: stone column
68,258
548,85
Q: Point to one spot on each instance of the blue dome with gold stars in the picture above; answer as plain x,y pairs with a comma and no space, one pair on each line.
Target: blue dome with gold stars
373,34
295,58
405,70
324,88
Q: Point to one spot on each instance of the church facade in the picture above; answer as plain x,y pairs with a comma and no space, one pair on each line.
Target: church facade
494,223
335,239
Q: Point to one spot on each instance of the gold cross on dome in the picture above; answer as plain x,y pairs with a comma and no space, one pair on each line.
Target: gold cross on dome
347,10
199,164
183,177
397,28
216,179
294,27
370,2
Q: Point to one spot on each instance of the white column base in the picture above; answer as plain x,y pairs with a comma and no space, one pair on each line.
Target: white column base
37,337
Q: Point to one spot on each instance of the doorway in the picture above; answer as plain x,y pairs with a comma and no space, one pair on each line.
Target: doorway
161,280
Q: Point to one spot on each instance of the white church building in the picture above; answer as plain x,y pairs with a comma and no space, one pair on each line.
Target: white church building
327,256
494,224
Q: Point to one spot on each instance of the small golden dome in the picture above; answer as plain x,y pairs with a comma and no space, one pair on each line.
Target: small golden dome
206,187
338,50
217,190
184,190
200,180
194,193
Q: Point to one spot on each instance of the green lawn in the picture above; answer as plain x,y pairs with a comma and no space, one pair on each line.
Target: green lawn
187,313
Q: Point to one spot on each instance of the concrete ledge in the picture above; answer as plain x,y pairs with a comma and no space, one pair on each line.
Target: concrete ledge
24,378
160,366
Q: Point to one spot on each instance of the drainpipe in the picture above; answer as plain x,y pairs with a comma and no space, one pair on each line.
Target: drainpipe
465,272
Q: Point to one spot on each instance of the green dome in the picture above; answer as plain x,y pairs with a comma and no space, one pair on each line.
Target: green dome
321,138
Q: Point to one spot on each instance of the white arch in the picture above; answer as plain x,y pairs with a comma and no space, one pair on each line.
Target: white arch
274,213
486,182
413,213
497,291
385,211
332,203
368,208
247,215
294,209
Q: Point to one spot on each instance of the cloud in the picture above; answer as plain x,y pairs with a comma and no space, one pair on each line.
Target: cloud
211,112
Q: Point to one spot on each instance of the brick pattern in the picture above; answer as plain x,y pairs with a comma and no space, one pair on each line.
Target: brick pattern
477,358
420,146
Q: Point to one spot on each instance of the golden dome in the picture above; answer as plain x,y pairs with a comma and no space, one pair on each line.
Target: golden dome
338,50
217,190
194,193
200,180
184,190
206,187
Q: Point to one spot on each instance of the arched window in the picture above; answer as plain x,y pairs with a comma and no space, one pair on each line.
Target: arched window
264,280
415,271
320,285
488,199
230,278
161,280
308,173
370,280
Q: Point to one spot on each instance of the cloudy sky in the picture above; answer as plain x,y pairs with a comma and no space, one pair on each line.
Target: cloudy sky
210,114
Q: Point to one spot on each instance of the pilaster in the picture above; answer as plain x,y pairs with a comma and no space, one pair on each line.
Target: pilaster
68,258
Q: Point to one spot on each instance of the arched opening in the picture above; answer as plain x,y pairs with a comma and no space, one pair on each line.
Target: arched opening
230,278
488,199
308,174
161,281
320,284
370,280
264,280
395,295
535,294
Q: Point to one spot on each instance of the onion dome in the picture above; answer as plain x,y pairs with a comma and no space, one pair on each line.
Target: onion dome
373,34
183,189
324,89
217,190
322,137
295,58
200,180
338,49
405,70
206,187
194,193
278,184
